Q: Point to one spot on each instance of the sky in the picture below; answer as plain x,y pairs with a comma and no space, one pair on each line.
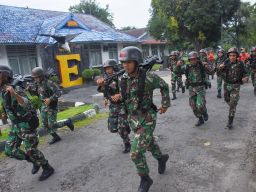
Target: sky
125,12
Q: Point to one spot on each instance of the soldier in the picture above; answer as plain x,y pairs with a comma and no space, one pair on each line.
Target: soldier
196,80
24,121
234,74
221,59
251,62
204,60
176,73
117,121
137,87
49,92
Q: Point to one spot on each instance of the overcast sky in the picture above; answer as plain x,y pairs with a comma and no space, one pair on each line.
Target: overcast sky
125,12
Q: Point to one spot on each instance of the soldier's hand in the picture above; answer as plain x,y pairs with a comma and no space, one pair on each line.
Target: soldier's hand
115,98
222,66
105,102
10,90
100,81
4,116
47,101
162,110
245,80
179,63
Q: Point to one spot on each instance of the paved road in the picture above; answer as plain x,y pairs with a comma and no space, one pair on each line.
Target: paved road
205,159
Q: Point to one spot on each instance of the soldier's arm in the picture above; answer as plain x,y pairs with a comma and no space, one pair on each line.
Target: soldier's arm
208,68
55,89
158,82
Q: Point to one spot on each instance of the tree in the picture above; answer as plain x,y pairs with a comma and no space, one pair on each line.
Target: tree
91,7
127,28
191,21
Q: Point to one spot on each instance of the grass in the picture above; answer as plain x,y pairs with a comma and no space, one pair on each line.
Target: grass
66,114
156,67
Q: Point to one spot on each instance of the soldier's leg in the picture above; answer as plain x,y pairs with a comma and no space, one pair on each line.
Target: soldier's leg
12,146
253,76
201,105
124,131
234,98
192,103
113,119
219,86
226,94
173,82
180,84
44,118
53,125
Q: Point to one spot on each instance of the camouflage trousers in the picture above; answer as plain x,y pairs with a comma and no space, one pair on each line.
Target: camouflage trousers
197,100
22,133
117,122
253,77
219,83
49,120
231,96
176,79
144,141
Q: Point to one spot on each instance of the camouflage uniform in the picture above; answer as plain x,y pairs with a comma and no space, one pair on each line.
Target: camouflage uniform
21,131
48,89
232,75
219,61
207,78
117,120
144,116
176,76
252,66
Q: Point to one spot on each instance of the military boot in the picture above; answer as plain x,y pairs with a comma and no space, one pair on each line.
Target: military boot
205,116
219,94
145,183
47,172
183,89
200,121
230,122
70,124
174,96
127,148
162,163
56,138
35,168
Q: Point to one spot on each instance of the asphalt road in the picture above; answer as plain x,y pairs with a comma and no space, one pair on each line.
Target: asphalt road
205,159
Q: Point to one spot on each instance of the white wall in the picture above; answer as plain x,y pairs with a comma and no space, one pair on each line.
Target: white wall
3,56
39,59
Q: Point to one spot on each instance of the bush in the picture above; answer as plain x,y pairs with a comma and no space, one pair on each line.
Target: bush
96,72
35,101
88,74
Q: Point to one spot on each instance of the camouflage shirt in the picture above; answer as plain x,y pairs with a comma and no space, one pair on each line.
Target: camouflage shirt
219,61
48,89
234,72
110,89
137,115
12,108
174,68
252,62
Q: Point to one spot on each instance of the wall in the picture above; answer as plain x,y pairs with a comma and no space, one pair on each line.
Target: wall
3,56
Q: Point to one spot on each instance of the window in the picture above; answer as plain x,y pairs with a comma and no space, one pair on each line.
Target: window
94,52
154,49
145,50
22,59
112,51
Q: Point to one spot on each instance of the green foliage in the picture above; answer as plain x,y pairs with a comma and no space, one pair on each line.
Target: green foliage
92,7
35,101
88,74
96,72
196,22
127,28
73,111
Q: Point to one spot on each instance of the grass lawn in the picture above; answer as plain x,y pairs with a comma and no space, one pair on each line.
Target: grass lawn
69,113
156,67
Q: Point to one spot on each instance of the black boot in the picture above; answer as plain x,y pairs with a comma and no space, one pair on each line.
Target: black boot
35,169
210,85
219,94
70,124
174,96
47,172
127,148
145,183
183,89
162,163
56,138
230,122
205,116
200,121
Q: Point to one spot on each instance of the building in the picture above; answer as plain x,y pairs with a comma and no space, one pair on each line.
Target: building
149,45
23,47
